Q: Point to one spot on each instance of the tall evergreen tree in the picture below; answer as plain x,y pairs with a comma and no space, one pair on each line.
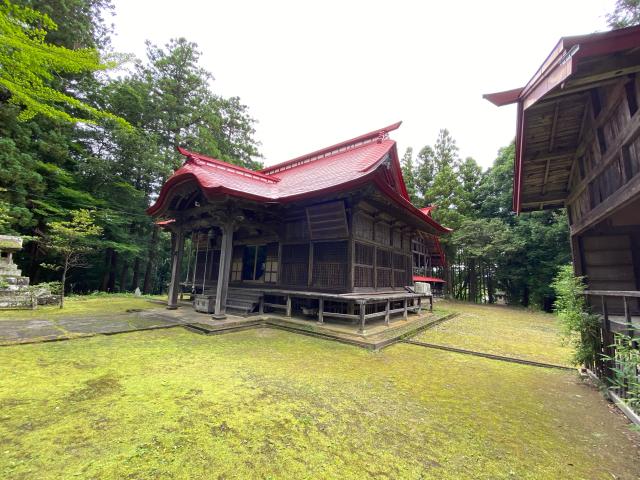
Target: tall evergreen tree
409,174
625,14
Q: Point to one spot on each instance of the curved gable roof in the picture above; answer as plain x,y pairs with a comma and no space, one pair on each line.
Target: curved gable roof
335,168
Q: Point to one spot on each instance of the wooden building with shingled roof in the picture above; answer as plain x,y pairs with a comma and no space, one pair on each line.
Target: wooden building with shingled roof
578,147
333,232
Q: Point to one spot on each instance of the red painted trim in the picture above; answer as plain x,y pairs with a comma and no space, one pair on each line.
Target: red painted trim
420,278
500,99
160,206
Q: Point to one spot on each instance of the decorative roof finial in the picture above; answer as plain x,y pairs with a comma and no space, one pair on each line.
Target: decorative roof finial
382,136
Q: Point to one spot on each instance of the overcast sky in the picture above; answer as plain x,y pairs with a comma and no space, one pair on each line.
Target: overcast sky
316,73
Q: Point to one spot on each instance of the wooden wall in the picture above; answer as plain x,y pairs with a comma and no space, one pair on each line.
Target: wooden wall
606,167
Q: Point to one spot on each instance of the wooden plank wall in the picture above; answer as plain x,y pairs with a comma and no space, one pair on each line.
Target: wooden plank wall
607,160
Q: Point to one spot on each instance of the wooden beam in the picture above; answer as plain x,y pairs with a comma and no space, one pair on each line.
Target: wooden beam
549,197
627,135
222,288
176,267
363,310
386,313
320,310
616,200
552,138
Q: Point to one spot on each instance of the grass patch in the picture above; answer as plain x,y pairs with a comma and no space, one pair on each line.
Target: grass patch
79,305
271,404
501,330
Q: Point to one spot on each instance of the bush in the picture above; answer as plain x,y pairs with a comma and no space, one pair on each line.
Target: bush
579,327
626,374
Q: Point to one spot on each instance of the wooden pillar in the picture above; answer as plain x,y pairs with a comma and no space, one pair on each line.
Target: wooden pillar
419,305
226,252
288,310
320,310
431,303
176,266
261,305
363,312
386,313
404,305
310,267
627,317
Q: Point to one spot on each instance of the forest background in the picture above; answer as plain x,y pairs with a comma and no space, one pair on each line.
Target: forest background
114,165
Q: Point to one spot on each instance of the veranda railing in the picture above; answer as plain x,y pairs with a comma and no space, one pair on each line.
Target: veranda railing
619,314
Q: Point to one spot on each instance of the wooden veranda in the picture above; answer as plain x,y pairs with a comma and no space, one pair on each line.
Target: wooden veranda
332,233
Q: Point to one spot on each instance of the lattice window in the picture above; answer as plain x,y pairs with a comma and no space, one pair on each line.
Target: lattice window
398,261
397,239
363,276
364,254
236,270
406,243
330,264
399,277
383,233
384,277
383,258
271,265
295,264
363,269
296,230
363,226
330,252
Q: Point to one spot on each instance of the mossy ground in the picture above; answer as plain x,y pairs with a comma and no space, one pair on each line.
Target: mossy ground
501,330
79,305
270,404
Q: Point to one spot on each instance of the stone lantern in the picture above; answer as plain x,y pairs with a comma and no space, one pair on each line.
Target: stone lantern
10,275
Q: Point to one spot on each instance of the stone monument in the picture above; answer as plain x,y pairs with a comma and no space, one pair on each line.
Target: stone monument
14,288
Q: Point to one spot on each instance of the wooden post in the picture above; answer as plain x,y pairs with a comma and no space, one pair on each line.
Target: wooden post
404,304
431,303
261,305
222,288
320,310
386,313
176,265
363,311
628,320
310,267
419,305
288,311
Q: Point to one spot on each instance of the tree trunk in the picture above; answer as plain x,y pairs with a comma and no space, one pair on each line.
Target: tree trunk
113,265
123,277
107,266
34,264
525,296
151,260
490,287
136,274
64,281
473,281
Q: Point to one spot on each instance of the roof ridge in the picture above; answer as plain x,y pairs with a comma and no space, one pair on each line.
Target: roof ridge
214,162
361,140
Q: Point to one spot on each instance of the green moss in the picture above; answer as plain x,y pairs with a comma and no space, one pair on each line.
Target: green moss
8,242
500,330
271,404
79,305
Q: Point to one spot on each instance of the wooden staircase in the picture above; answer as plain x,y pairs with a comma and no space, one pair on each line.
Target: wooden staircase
240,301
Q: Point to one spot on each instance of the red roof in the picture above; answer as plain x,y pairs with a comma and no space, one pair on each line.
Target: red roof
337,168
558,67
419,278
